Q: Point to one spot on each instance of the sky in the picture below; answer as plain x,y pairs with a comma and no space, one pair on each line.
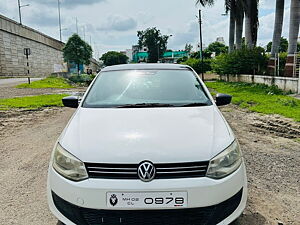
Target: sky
113,24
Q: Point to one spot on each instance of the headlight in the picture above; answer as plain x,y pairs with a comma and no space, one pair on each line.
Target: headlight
68,165
226,162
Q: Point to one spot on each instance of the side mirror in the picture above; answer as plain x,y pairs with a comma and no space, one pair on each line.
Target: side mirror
223,99
70,101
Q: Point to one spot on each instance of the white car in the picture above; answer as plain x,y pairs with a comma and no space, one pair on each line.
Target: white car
147,145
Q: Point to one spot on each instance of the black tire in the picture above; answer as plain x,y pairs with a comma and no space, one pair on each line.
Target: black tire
60,223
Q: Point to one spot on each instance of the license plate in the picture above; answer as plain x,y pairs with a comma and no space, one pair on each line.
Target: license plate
146,199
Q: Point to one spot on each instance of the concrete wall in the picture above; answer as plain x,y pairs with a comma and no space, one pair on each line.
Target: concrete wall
94,65
284,83
45,51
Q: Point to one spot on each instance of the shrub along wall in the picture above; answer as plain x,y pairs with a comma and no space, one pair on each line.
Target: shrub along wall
196,64
244,61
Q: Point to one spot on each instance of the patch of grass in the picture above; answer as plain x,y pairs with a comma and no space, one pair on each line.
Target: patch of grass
260,98
49,82
32,102
213,93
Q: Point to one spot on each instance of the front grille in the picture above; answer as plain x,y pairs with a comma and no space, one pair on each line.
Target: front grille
163,170
210,215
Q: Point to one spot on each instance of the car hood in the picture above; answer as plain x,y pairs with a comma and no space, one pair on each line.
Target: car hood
164,135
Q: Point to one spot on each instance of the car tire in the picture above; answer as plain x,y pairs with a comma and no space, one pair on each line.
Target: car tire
60,223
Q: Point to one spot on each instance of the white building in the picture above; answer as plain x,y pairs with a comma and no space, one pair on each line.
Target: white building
129,54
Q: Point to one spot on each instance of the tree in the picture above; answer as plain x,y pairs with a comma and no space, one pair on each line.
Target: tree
188,48
232,26
294,26
237,9
244,61
251,22
283,46
240,15
277,39
206,54
197,65
154,41
78,51
114,58
205,2
217,47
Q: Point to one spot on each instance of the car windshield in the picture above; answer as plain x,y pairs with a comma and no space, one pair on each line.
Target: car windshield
146,88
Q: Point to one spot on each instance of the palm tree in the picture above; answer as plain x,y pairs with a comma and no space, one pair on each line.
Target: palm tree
276,36
277,27
240,14
293,36
231,6
294,26
236,8
205,2
251,22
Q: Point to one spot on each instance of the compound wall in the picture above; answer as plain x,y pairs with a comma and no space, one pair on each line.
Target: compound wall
46,52
284,83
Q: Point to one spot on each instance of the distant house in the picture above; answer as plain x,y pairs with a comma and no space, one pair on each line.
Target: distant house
168,57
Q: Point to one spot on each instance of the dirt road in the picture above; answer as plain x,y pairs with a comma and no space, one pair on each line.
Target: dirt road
26,142
10,82
272,158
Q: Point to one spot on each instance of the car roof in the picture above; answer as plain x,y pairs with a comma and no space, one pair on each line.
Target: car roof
147,66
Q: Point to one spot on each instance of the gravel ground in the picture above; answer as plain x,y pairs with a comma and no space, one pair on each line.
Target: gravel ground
269,143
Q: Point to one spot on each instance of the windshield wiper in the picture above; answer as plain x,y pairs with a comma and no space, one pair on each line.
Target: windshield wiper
145,105
194,104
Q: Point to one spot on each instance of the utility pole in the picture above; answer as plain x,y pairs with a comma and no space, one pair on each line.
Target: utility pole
20,6
201,46
59,19
76,25
20,16
84,32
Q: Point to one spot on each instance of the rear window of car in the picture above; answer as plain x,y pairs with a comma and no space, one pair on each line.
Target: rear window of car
118,88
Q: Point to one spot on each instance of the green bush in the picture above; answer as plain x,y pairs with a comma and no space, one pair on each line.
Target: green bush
196,64
83,79
282,62
182,59
244,61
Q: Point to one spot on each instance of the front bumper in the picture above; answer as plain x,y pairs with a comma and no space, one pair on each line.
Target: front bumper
209,201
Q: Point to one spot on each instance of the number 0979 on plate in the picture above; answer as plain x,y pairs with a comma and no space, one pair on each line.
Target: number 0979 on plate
146,199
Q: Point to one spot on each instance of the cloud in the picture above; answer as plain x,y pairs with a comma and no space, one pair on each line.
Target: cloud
44,18
266,27
188,36
67,3
118,23
271,4
2,8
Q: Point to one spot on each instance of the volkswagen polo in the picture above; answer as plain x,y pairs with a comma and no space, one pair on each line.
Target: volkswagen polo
147,145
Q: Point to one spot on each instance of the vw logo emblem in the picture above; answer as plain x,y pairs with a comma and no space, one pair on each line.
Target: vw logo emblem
146,171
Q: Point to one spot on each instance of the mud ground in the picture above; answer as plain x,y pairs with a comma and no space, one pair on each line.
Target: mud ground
271,146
